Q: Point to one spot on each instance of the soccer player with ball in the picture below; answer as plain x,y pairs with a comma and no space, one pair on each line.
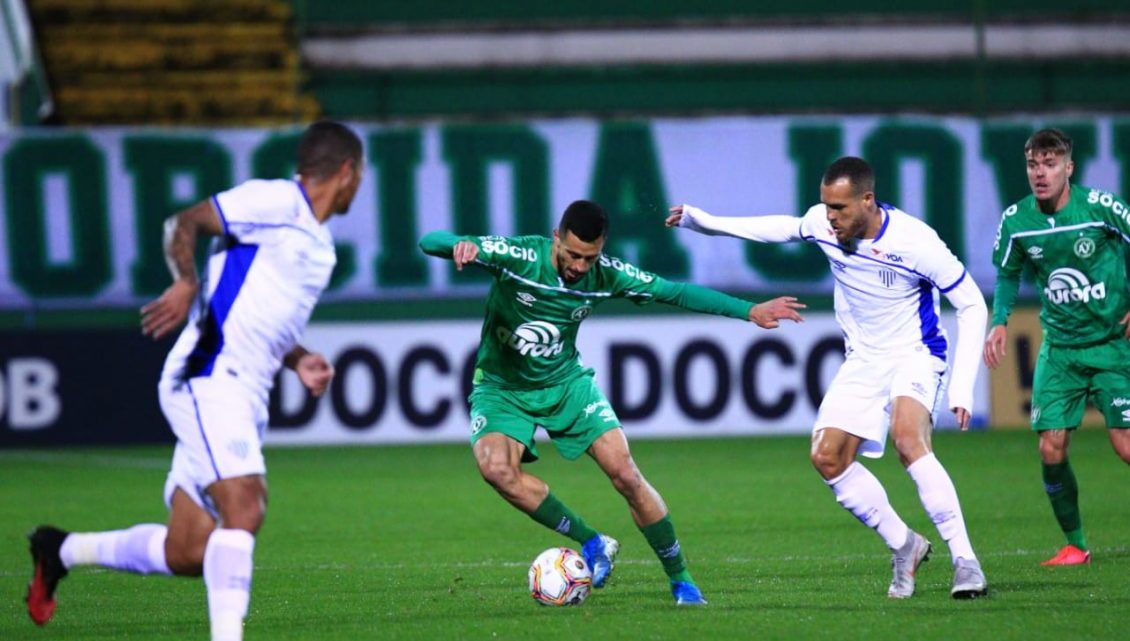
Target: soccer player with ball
528,374
887,266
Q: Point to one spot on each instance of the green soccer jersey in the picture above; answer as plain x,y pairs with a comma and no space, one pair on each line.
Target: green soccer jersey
529,335
1078,258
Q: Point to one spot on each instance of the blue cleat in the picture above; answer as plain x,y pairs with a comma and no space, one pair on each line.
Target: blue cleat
687,593
600,552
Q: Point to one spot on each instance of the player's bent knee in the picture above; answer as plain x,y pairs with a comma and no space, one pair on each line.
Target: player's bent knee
499,474
185,560
627,480
828,464
1052,451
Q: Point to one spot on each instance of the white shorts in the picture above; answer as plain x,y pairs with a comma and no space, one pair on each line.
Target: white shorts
860,397
219,425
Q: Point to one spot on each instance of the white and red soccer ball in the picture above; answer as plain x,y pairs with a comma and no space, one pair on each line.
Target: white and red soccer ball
560,576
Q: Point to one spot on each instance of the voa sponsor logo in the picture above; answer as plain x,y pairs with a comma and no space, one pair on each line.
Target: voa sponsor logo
498,245
627,268
1066,285
537,338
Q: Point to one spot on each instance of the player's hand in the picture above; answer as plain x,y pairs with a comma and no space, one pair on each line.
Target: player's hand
675,217
464,253
962,416
1125,323
315,372
165,314
995,345
768,315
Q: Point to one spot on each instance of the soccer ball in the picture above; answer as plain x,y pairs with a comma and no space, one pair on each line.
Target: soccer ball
560,576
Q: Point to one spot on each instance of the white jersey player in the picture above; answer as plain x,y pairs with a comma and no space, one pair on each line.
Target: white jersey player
272,258
888,269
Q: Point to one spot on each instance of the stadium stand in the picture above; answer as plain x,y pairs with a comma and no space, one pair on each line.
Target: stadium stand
207,62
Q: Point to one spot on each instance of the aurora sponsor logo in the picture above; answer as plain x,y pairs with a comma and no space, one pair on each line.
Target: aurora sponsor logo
536,338
1067,285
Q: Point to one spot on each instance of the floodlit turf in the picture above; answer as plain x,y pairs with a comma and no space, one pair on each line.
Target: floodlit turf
407,542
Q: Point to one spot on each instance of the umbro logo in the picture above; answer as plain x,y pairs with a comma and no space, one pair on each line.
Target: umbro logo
1036,252
527,299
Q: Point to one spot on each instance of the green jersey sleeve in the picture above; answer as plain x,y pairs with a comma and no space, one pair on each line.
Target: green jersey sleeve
440,244
1112,210
643,287
495,252
1008,257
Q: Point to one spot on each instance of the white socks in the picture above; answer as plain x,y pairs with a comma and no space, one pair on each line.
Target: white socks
860,493
140,549
227,575
940,500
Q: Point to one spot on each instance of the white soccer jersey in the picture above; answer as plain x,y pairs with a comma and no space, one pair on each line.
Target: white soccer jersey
885,296
262,282
885,290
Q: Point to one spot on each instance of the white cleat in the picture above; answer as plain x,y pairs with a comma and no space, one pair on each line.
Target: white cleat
968,580
905,562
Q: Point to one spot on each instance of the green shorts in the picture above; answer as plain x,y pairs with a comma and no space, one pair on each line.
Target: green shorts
574,414
1067,376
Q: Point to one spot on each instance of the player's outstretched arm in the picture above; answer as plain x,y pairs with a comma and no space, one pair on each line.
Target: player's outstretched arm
763,229
769,314
312,368
165,314
443,244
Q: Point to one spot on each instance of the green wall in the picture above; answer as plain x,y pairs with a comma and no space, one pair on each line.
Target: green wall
350,14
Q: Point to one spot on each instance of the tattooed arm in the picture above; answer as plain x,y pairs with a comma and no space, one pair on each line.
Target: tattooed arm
167,312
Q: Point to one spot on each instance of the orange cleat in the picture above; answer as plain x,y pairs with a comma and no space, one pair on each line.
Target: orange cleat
1069,555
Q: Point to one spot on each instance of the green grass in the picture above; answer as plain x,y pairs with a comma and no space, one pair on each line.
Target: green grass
408,542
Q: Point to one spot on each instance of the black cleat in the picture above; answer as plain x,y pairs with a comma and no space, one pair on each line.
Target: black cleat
45,544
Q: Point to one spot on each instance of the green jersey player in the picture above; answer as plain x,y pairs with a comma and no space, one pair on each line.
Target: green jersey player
529,374
1074,239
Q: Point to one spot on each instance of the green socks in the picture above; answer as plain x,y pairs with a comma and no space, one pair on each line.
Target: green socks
661,537
1063,492
556,516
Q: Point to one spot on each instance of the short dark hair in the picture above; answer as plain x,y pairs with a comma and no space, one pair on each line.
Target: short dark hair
1049,140
324,146
856,170
585,219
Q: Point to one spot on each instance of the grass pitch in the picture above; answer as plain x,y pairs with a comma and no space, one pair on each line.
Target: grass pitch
409,543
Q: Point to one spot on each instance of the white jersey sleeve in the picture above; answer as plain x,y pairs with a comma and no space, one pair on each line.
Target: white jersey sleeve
763,229
972,315
814,224
257,203
936,262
